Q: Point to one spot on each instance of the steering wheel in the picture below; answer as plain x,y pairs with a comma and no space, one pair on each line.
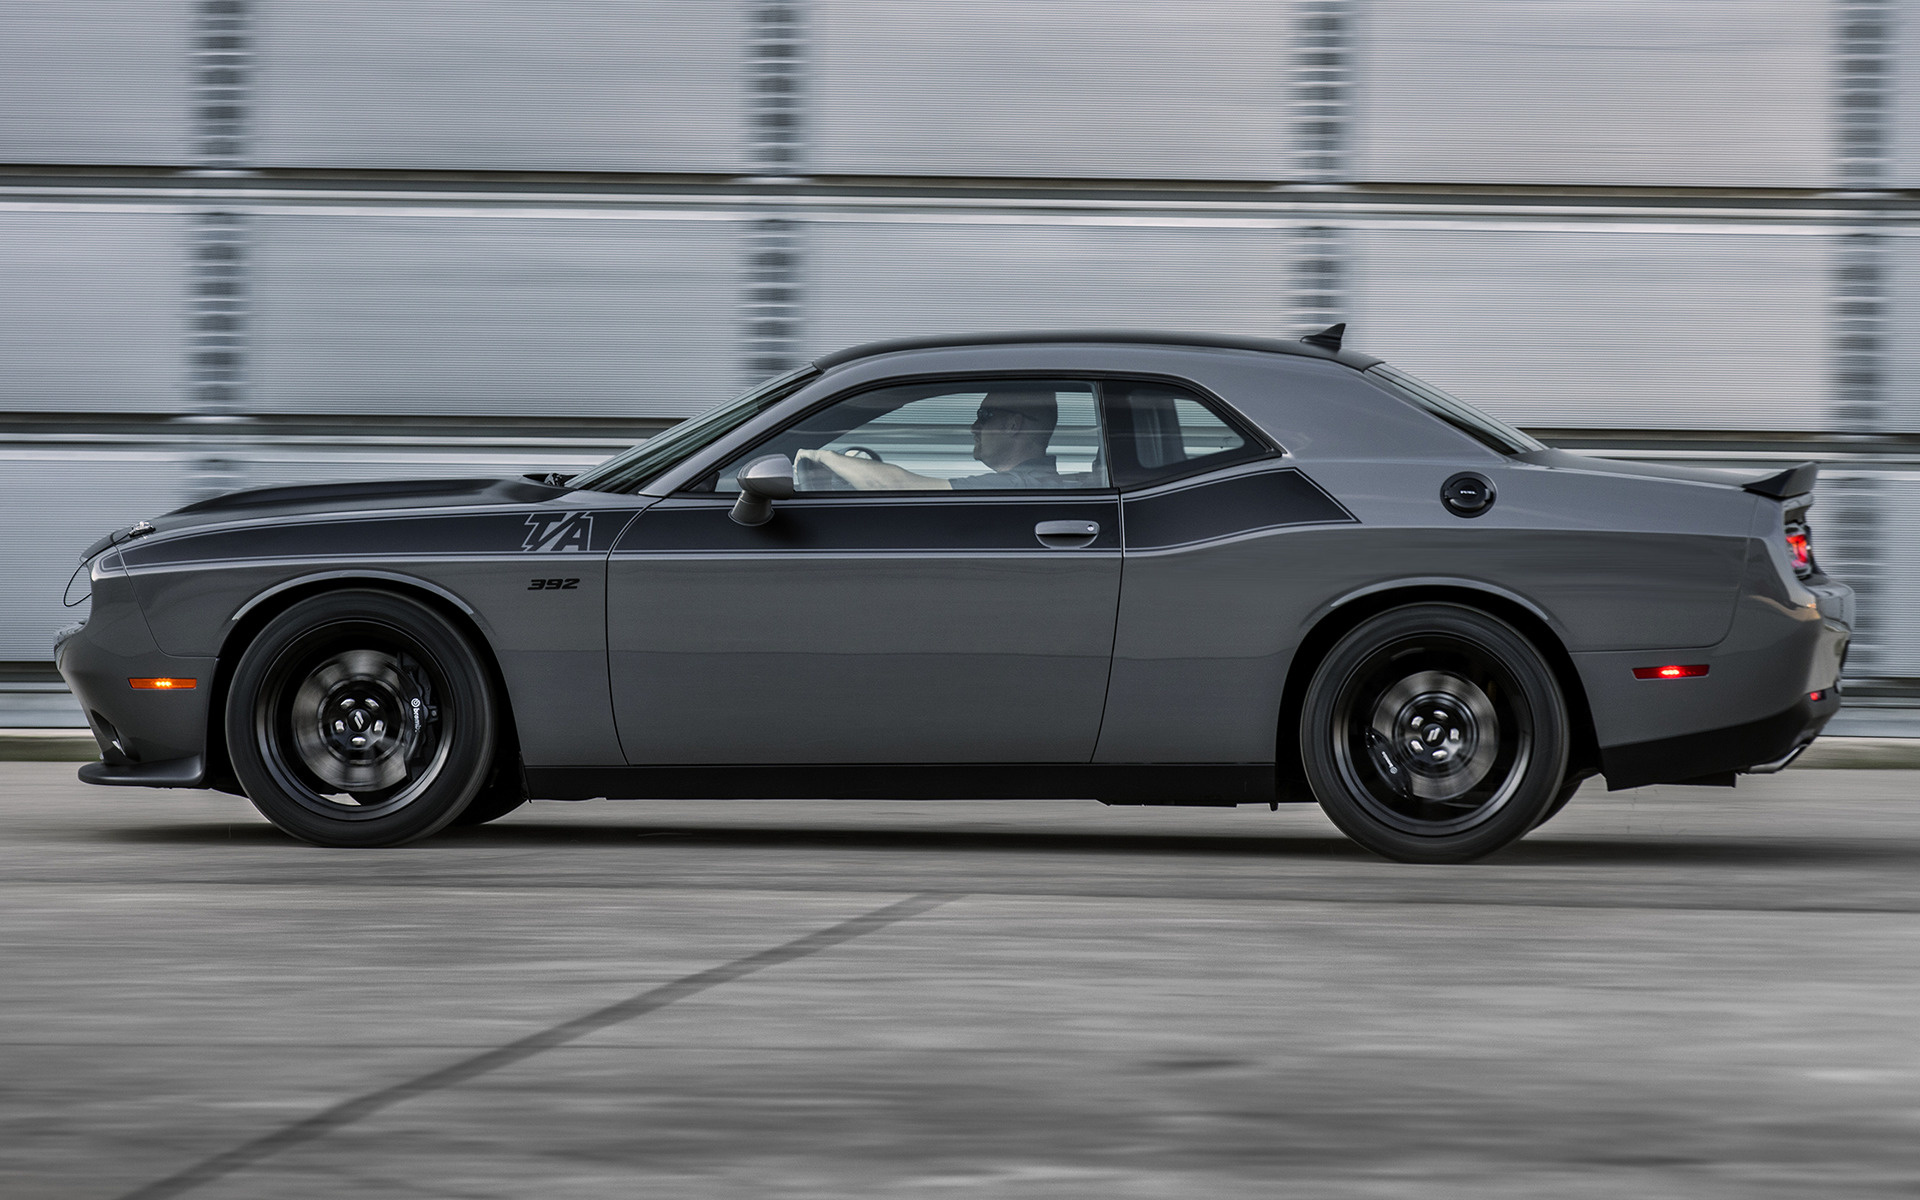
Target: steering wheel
864,452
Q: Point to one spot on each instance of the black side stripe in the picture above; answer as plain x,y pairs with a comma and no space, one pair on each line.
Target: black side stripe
1224,507
565,531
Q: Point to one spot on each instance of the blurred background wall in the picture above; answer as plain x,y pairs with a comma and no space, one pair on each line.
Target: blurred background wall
255,242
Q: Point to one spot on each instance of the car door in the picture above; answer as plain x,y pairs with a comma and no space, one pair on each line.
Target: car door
945,612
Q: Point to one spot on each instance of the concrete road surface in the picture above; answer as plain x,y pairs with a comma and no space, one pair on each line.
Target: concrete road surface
1669,992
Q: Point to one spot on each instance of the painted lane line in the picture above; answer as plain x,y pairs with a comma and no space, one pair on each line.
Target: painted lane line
347,1112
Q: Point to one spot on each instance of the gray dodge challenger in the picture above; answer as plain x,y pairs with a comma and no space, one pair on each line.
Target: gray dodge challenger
1137,568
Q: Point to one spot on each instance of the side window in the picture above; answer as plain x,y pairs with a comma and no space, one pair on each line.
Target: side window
1158,431
1006,434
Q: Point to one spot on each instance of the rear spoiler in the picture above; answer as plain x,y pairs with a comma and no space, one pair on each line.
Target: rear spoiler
1794,481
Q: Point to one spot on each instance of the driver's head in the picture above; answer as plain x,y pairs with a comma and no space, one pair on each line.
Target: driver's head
1013,425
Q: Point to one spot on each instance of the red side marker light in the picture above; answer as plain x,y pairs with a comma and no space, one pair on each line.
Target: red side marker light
162,685
1687,672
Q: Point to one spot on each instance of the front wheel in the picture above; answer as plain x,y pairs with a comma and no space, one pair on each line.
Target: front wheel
1434,733
360,718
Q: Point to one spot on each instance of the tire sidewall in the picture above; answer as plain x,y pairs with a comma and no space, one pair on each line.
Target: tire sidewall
460,674
1540,781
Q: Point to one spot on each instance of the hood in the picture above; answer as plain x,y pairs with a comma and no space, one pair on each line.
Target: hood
363,496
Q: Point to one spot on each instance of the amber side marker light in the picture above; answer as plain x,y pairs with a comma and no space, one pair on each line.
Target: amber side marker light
1691,672
163,685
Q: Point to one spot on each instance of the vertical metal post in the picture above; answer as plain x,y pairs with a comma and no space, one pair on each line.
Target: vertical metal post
772,304
1322,83
1319,277
217,242
1864,43
222,77
776,78
217,351
1854,501
1322,86
772,300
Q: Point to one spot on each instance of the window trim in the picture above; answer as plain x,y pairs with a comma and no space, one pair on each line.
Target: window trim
1263,447
1210,400
939,377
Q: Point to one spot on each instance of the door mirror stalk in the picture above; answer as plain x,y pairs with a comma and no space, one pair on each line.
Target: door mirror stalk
762,481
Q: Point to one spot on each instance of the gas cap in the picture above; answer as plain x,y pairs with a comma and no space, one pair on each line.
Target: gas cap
1467,494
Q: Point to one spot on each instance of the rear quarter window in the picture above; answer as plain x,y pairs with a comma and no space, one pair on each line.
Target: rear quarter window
1158,431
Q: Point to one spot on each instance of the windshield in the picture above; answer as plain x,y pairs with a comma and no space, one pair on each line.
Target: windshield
1455,412
631,469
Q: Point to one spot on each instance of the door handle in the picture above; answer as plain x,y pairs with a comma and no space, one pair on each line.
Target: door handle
1066,535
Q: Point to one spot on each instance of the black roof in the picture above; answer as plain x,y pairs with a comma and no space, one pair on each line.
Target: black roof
1135,337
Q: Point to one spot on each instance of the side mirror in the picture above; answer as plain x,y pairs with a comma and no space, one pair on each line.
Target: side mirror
762,481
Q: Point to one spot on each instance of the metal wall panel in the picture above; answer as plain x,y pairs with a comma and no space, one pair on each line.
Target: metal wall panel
1604,92
95,311
577,85
95,81
525,316
1901,337
1624,329
1903,97
1897,591
876,279
69,500
1062,88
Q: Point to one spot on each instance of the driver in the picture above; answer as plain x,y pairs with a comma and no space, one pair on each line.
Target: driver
1010,435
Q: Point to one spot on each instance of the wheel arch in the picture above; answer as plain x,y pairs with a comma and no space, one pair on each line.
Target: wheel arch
1341,616
253,616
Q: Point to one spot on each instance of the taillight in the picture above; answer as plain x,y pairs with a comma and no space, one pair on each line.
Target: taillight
1800,544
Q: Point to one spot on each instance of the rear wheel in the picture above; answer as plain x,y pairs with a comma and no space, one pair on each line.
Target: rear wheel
360,718
1434,733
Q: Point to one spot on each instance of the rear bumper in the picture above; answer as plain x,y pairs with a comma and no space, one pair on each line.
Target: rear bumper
1770,688
1718,754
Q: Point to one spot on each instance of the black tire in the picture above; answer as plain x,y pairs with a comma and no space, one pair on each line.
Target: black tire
360,718
1567,789
498,797
1434,733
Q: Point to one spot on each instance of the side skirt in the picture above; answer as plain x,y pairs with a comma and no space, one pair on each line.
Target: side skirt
1110,783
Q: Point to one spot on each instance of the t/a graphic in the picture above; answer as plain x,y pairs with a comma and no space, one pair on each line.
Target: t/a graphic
550,532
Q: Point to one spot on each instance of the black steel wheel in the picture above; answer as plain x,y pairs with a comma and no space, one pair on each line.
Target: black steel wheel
1434,733
360,718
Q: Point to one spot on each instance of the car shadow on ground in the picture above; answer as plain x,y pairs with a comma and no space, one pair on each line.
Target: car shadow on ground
1547,851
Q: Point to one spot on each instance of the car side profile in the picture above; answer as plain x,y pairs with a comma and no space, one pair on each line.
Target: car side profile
1137,568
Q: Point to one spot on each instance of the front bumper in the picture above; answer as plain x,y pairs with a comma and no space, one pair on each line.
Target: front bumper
146,738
